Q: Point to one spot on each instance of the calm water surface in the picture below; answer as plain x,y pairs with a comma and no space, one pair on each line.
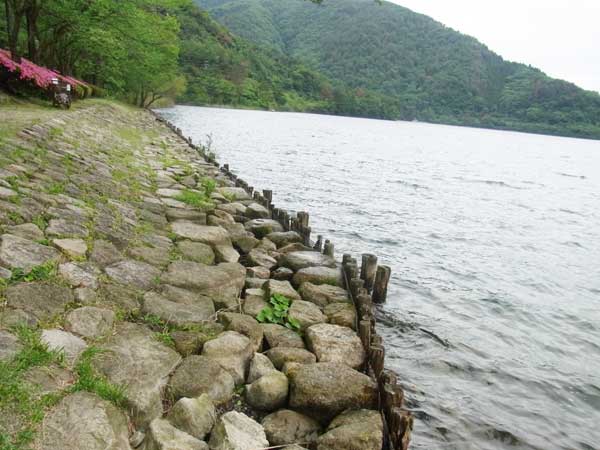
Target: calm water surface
494,242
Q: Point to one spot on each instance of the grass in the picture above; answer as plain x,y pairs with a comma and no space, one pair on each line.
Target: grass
89,380
18,399
42,272
40,221
195,199
56,188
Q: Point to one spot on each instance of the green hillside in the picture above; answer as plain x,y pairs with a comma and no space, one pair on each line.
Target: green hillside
423,69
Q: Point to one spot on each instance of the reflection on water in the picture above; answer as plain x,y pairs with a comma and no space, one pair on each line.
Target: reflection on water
493,314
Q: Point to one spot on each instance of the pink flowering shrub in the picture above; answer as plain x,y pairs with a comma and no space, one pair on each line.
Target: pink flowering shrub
40,76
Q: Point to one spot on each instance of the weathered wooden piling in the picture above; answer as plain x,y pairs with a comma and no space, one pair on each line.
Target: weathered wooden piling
382,279
368,269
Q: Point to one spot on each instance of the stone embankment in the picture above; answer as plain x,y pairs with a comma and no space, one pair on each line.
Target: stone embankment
142,267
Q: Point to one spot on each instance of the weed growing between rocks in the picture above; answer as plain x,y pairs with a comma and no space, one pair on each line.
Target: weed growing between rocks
89,380
21,409
278,313
42,272
195,199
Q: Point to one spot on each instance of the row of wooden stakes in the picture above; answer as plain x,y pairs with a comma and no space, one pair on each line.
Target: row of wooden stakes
365,289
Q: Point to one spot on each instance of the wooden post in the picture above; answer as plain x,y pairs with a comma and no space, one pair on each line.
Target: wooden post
368,269
319,244
355,285
382,278
328,248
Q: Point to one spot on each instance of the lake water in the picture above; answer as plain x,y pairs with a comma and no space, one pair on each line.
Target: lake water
493,315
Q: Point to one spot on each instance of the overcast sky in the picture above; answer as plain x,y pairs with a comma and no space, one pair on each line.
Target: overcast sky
560,37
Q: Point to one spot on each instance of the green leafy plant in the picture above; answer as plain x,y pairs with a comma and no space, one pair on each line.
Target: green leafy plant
42,272
209,186
194,198
278,313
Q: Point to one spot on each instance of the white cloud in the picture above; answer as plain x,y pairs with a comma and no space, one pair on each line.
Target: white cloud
562,38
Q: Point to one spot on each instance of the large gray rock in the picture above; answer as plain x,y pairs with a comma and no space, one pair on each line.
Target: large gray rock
176,314
259,366
324,390
343,314
195,416
79,275
16,252
281,355
283,238
323,294
234,193
40,299
66,229
287,427
198,375
306,313
236,431
254,302
333,343
9,346
224,281
232,351
187,297
319,275
164,436
245,325
62,341
353,430
137,274
158,257
259,257
262,227
197,252
26,231
83,421
201,233
282,288
225,253
90,322
302,260
269,392
73,248
104,253
135,359
278,335
256,211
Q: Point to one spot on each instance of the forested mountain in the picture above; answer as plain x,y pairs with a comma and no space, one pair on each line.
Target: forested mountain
423,69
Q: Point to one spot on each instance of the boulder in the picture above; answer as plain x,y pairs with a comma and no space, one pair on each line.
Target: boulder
343,314
225,253
62,341
333,343
134,358
253,304
158,257
164,436
245,325
259,366
19,253
9,346
282,288
90,322
198,375
287,427
221,282
281,355
269,392
187,297
283,274
258,272
79,275
176,314
26,231
73,248
245,242
236,431
295,247
116,295
306,313
319,275
136,274
262,227
17,317
324,390
66,229
205,234
83,421
233,351
191,215
323,294
301,260
233,209
195,416
267,245
353,430
278,335
259,257
197,252
104,253
234,193
48,379
256,211
283,238
254,283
